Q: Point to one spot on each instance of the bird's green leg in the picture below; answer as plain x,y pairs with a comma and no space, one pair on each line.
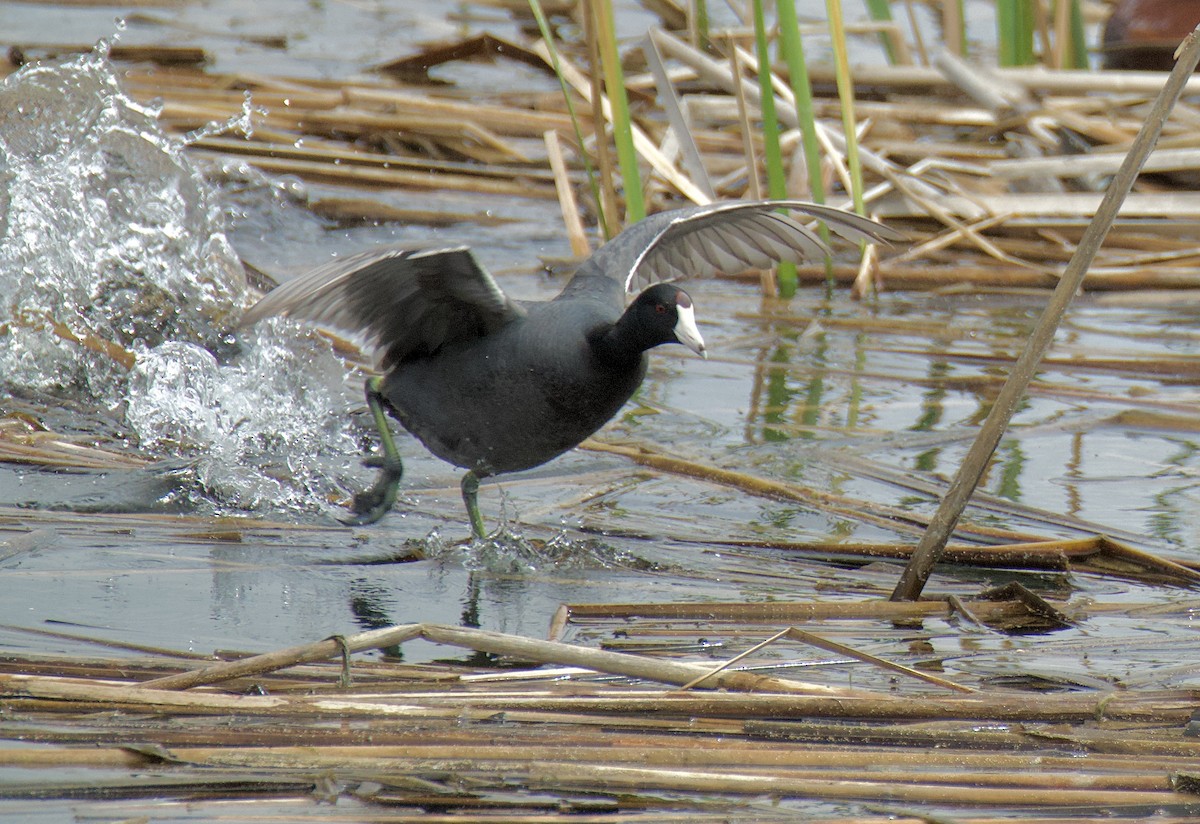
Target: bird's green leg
372,504
470,493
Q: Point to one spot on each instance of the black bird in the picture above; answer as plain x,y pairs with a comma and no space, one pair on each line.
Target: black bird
495,385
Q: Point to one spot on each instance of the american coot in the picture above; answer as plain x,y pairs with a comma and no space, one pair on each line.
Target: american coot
495,385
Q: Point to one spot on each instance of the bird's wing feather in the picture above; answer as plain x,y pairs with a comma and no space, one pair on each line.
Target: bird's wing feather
405,303
727,237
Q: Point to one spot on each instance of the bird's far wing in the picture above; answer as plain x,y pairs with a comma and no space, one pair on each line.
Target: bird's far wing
406,303
732,237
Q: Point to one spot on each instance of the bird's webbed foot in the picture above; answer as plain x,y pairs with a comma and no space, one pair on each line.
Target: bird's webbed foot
470,494
372,504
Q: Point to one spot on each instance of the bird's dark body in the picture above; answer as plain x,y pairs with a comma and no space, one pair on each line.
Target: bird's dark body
495,385
521,396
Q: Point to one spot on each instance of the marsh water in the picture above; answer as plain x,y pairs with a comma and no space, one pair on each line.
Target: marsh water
108,218
226,536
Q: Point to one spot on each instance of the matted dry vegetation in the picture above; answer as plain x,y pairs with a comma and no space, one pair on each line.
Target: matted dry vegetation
993,172
598,733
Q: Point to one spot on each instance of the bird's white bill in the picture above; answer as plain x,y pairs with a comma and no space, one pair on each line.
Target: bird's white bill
686,331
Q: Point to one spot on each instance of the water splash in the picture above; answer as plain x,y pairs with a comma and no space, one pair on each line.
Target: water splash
241,123
105,229
108,233
509,551
266,431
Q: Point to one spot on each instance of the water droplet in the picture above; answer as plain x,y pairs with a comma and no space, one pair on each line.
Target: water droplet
109,231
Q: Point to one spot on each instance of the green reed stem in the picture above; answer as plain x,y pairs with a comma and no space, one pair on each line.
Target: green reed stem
1079,48
881,12
700,23
548,38
772,151
614,86
1014,32
791,46
845,86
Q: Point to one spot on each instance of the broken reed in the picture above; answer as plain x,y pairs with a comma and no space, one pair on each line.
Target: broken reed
547,33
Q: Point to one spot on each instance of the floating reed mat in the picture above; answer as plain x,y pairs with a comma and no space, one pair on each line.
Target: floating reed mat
1095,554
373,732
743,693
994,174
25,441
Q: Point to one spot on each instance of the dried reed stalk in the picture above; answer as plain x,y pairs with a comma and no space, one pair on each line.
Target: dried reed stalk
967,477
794,611
1156,707
493,642
642,142
566,196
615,778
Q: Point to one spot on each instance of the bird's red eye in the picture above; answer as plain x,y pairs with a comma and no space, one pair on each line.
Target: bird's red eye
660,308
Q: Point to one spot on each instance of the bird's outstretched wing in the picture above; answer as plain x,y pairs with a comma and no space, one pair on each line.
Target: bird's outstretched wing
406,303
726,237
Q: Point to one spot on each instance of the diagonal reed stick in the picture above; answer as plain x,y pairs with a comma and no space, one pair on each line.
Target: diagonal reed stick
933,542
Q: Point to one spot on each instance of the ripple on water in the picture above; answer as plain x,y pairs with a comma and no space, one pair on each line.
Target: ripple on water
509,550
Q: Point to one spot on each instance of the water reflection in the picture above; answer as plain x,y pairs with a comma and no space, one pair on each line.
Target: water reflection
367,605
868,370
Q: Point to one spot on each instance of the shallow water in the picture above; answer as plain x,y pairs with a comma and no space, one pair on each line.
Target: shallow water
867,400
